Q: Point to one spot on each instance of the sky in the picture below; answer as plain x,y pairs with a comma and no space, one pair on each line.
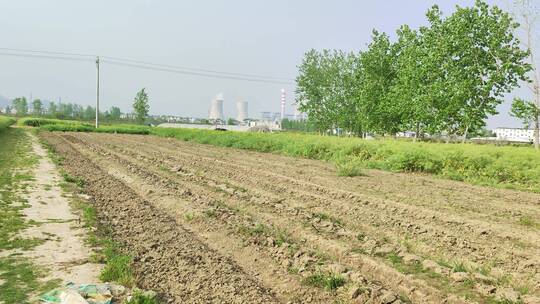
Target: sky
241,36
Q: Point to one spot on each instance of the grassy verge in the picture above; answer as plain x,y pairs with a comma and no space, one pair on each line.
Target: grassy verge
5,122
19,277
78,126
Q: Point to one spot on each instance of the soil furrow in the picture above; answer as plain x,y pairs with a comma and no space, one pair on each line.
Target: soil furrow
168,258
357,228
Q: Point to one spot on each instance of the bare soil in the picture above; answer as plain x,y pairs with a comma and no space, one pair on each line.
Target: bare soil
209,224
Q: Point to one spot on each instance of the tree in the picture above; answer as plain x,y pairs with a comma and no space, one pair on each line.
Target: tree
528,112
37,107
141,106
527,14
52,108
89,113
484,63
446,77
376,112
324,88
115,113
21,106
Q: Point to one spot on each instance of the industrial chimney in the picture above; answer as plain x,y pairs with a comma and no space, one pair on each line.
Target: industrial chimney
216,108
242,108
282,104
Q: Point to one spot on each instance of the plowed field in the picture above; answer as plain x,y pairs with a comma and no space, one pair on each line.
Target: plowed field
219,225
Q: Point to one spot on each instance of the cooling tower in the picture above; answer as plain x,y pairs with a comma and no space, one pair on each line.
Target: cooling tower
242,108
216,108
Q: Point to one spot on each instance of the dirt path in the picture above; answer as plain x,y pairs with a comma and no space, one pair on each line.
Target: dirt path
288,222
63,251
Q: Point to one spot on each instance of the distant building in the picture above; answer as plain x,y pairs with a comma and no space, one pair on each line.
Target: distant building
270,116
515,134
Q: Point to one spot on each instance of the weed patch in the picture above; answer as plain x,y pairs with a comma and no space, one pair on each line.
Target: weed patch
327,281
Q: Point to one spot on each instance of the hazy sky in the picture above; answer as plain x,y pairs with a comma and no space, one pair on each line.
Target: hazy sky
257,37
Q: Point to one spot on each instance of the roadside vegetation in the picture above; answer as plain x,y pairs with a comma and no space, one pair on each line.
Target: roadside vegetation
5,122
19,276
78,126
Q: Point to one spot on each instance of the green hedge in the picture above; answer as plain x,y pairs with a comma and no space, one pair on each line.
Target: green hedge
5,122
103,129
38,122
508,167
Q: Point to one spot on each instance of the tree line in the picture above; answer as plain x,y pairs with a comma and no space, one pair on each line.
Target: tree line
443,78
75,111
62,110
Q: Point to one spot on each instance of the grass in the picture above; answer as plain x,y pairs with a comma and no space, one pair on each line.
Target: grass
329,281
38,122
459,267
78,126
529,222
140,297
488,165
5,122
329,218
20,277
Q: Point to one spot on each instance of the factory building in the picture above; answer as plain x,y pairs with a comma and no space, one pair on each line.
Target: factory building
514,134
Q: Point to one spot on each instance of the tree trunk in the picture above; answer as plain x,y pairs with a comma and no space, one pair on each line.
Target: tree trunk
465,134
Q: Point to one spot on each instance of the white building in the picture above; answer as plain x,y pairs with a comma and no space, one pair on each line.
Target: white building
515,134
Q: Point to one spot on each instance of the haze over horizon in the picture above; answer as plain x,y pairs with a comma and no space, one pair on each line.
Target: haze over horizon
266,38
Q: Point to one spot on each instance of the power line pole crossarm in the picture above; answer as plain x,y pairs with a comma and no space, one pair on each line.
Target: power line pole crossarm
97,93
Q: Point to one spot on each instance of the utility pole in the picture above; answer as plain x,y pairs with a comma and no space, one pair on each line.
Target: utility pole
97,93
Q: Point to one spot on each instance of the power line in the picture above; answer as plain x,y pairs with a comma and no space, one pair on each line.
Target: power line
44,56
145,65
171,70
196,70
48,52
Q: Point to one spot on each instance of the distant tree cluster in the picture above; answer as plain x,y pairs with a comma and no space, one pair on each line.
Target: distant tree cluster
61,110
443,78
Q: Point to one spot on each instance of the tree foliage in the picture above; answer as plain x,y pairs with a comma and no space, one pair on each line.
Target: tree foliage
528,112
141,106
446,77
20,105
37,107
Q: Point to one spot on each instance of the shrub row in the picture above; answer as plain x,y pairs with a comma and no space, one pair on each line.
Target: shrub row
77,126
103,129
38,122
508,167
